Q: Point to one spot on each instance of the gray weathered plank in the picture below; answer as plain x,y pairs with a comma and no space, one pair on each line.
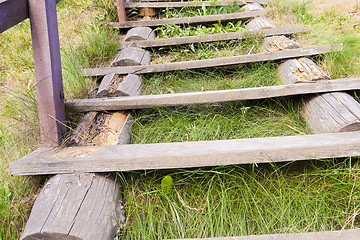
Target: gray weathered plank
329,235
188,20
163,100
215,62
49,88
189,3
187,154
214,37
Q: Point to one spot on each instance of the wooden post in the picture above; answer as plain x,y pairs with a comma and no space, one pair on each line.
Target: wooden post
121,10
46,48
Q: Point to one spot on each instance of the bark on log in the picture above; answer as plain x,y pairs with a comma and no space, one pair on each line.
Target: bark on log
130,56
332,112
258,24
139,33
114,85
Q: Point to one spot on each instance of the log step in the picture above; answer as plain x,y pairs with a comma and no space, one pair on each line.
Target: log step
215,62
165,100
212,37
189,20
113,158
329,235
190,3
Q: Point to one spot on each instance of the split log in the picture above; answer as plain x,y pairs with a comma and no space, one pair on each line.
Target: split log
253,7
130,56
276,43
301,70
258,24
332,112
76,206
139,33
114,85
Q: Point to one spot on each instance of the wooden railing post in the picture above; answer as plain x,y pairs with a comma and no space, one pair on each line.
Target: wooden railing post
46,48
121,10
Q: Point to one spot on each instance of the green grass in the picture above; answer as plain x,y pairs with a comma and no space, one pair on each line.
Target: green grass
243,200
204,202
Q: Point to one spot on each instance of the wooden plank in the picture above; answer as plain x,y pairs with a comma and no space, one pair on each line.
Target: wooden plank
188,20
189,3
13,12
49,88
165,100
329,235
214,37
120,6
215,62
187,154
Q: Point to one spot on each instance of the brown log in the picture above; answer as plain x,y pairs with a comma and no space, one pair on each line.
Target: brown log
148,13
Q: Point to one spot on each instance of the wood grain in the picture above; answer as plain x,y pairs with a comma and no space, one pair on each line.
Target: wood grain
189,4
188,20
164,100
329,235
49,88
213,37
215,62
187,154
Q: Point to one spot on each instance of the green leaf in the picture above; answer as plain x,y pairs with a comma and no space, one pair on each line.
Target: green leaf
167,184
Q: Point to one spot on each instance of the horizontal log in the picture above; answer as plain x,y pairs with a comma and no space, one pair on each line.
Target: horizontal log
189,3
329,235
112,158
13,12
165,100
214,37
188,20
215,62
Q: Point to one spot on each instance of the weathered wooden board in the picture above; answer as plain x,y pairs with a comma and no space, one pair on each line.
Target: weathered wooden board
215,62
329,235
187,154
214,37
181,4
49,88
253,7
163,100
64,198
188,20
332,112
13,12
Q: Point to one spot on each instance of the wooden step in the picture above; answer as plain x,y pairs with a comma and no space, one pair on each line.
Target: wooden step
113,158
189,3
166,100
329,235
214,37
215,62
188,20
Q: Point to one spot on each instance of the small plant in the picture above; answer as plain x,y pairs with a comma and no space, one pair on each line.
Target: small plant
167,184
